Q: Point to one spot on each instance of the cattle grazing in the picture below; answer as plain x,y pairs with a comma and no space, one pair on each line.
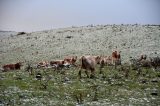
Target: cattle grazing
105,60
143,57
57,64
89,63
71,60
155,61
116,58
144,61
43,64
8,67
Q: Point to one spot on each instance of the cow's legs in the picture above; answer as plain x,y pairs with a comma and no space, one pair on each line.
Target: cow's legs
80,73
101,66
86,71
92,73
115,65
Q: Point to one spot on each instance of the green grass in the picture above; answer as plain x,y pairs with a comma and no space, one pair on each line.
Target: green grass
20,88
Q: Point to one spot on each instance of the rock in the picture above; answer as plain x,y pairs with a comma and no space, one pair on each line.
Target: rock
143,81
21,33
154,80
154,92
66,79
38,76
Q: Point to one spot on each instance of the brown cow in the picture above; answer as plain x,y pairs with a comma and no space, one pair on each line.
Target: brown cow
143,61
105,60
143,57
89,63
43,64
155,62
57,64
8,67
116,58
71,60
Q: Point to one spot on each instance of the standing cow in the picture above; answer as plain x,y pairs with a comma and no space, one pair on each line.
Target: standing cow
105,60
16,66
71,60
43,64
89,63
155,62
57,64
116,58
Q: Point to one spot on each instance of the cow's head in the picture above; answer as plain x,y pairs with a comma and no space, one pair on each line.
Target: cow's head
143,57
97,59
74,59
19,63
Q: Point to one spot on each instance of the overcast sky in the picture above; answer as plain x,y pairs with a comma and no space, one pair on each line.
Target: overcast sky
34,15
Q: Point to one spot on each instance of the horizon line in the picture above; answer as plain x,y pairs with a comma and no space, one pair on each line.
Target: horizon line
74,26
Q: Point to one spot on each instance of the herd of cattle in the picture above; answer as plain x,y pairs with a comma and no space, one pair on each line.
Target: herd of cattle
88,63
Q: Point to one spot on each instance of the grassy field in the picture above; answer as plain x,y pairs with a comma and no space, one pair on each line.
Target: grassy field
113,87
110,88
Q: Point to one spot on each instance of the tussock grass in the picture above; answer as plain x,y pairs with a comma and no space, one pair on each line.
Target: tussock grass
112,87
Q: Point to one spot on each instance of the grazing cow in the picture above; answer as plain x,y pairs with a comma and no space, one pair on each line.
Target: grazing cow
8,67
155,61
71,60
43,64
143,62
116,58
57,64
89,63
143,57
105,60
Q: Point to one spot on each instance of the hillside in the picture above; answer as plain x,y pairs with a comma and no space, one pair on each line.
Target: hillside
131,40
124,85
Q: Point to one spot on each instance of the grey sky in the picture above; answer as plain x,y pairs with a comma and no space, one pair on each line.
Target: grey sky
33,15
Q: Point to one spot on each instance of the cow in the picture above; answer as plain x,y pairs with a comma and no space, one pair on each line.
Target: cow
144,62
43,64
16,66
140,62
116,58
57,64
105,60
71,60
155,61
89,63
143,57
